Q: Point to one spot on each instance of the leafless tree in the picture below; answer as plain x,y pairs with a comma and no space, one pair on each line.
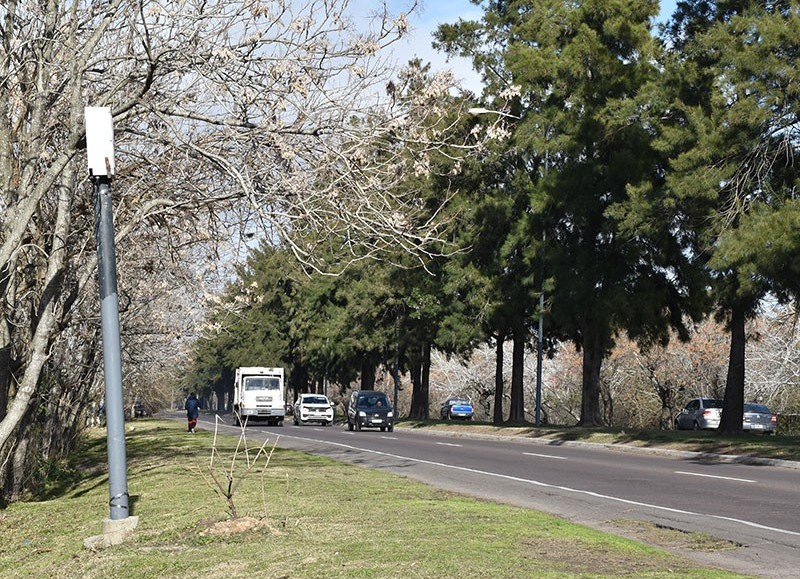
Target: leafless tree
234,121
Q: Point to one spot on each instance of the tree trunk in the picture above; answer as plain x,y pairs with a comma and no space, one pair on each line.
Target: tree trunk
420,377
593,352
367,375
498,382
731,422
516,411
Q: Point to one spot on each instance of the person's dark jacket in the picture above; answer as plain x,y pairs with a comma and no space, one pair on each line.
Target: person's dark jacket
192,407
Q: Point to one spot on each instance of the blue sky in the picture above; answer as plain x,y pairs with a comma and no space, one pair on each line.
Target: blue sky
435,12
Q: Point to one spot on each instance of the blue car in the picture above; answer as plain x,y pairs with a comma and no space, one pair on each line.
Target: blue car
453,408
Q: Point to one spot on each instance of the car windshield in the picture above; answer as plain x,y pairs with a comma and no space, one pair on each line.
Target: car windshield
373,401
760,408
315,400
459,402
712,403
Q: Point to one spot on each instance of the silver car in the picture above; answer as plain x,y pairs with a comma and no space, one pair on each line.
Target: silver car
699,414
759,418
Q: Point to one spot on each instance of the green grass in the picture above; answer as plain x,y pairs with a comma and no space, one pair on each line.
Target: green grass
302,517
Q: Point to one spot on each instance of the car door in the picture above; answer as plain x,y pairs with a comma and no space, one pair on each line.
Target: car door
686,417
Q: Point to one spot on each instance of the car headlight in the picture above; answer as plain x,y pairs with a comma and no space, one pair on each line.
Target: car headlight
362,413
390,414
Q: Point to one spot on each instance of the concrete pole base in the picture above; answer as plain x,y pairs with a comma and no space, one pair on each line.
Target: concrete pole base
115,531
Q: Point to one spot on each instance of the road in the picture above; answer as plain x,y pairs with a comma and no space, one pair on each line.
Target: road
756,507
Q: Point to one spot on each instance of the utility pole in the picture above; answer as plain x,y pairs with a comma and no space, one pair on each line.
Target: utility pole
100,156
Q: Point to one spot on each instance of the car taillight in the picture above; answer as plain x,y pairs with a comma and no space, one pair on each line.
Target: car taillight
774,419
707,412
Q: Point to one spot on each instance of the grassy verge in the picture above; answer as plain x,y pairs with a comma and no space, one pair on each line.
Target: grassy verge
778,447
302,517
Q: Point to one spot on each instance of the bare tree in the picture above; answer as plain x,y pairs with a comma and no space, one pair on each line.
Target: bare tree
233,120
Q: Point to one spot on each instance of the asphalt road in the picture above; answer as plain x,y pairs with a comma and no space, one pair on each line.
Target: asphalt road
756,507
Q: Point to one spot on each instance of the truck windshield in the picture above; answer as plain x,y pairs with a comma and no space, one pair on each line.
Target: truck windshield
261,383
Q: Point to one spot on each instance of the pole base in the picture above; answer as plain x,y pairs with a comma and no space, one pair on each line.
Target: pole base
115,531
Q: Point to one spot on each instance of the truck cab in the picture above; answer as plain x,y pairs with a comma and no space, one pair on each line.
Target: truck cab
258,394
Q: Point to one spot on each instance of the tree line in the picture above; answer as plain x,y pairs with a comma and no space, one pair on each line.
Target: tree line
633,183
636,182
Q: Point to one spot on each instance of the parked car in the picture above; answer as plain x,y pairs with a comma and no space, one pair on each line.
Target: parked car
453,408
759,418
699,414
369,408
313,408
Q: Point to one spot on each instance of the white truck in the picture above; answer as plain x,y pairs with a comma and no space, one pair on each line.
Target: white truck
258,395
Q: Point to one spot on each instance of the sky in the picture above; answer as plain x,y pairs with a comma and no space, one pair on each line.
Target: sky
435,12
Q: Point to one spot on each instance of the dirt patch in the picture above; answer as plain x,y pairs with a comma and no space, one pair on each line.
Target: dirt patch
671,538
577,558
232,527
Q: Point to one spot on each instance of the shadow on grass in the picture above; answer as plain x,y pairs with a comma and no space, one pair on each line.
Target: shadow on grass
149,444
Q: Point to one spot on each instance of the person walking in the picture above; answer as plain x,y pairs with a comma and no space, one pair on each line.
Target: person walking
192,407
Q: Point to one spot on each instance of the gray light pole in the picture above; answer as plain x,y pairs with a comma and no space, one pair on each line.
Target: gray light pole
539,346
100,154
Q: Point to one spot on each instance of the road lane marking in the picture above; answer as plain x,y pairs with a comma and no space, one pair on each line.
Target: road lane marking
447,444
540,484
746,480
545,455
390,437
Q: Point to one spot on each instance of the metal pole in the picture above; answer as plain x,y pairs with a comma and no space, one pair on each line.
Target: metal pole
396,369
539,346
112,364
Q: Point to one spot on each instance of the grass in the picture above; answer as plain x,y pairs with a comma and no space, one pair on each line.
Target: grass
302,517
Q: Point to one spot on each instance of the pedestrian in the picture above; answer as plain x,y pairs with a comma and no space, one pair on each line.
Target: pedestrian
192,407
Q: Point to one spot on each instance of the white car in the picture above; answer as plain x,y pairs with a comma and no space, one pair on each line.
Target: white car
313,408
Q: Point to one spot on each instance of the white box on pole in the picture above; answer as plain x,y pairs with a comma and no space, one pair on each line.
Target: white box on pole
99,141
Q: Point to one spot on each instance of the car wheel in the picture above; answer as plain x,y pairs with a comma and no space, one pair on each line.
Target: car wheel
677,425
390,428
696,425
349,426
358,426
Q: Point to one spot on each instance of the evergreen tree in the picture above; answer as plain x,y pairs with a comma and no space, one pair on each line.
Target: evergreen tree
594,220
733,77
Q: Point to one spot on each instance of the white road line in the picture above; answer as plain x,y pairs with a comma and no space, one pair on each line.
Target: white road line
746,480
390,437
552,486
447,444
545,455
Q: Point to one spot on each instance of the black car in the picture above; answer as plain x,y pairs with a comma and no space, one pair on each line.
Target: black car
368,408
